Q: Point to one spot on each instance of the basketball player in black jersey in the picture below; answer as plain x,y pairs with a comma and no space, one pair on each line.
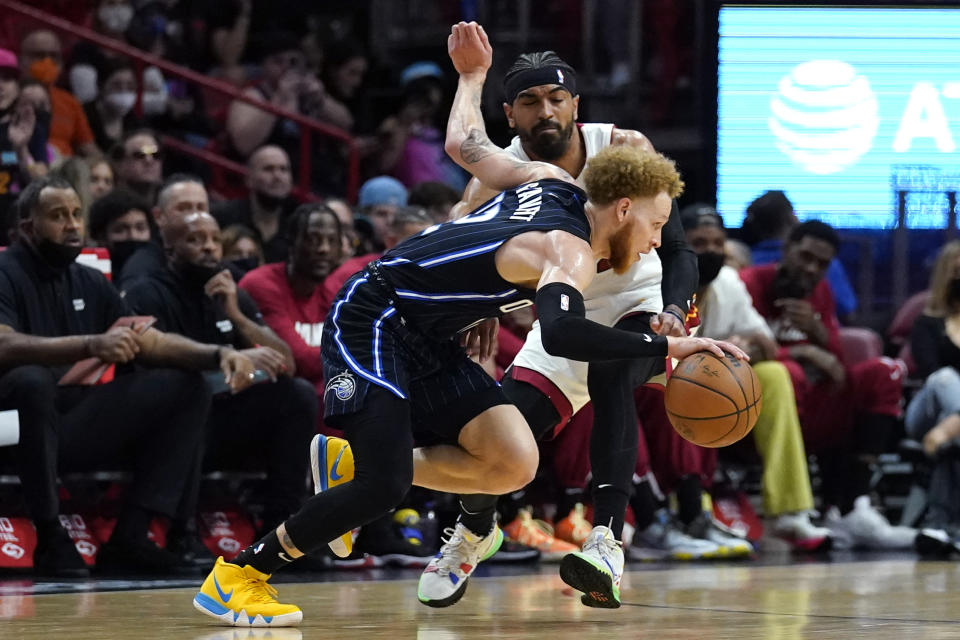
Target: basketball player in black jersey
394,366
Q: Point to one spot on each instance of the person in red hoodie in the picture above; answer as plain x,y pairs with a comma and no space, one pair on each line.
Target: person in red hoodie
847,412
291,295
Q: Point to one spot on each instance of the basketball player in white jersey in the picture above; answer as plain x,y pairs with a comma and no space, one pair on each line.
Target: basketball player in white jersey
652,297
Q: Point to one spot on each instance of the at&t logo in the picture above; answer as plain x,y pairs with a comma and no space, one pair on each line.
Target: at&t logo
824,116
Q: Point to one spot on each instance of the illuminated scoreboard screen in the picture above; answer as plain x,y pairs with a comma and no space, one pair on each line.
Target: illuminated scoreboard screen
840,108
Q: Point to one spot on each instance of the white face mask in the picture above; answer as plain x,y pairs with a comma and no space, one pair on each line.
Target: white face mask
116,18
154,102
121,102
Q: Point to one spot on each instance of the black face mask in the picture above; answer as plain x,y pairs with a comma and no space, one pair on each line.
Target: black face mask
266,201
121,251
953,291
58,256
709,264
246,264
197,275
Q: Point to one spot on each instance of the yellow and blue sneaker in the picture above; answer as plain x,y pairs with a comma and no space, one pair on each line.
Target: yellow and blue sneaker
240,597
337,459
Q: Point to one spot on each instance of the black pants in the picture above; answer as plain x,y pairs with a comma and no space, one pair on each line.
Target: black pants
614,439
381,437
266,427
150,422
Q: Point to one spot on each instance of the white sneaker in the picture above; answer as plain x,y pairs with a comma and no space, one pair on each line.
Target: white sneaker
797,529
596,570
706,527
662,539
444,580
866,528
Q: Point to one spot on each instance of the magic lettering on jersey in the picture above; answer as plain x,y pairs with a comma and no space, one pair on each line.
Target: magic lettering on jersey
529,201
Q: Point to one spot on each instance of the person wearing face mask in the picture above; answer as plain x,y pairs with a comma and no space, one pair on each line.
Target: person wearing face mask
23,140
121,223
40,59
55,312
112,114
195,296
848,412
241,248
726,312
268,203
180,195
111,18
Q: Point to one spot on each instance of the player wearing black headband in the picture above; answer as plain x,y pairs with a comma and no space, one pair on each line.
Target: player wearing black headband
650,298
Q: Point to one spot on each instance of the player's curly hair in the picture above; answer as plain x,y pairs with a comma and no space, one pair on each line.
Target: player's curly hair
628,172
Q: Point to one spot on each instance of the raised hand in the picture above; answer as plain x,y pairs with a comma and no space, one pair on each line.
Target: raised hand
469,48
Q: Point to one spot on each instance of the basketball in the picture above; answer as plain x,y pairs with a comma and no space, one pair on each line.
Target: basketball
713,401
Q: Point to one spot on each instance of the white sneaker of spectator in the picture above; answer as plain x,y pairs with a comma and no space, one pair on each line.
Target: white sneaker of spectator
865,528
706,527
663,539
802,534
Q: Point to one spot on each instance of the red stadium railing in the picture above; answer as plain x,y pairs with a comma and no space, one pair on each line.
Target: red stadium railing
141,59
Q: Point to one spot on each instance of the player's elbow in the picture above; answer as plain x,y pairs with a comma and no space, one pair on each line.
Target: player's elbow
552,339
452,146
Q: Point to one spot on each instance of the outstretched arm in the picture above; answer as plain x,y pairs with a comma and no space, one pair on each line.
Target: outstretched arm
467,142
566,332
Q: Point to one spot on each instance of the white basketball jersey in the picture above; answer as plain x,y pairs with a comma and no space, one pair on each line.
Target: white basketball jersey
608,298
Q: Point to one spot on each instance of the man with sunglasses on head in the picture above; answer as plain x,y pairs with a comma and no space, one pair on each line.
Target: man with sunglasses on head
138,163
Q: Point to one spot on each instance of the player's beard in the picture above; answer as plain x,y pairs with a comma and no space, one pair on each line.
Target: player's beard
621,256
547,147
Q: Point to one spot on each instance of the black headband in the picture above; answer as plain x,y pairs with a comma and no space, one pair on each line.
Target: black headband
561,75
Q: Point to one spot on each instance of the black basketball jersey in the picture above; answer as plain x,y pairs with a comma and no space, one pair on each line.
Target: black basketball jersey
446,277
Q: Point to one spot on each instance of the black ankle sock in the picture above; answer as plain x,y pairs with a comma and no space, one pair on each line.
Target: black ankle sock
609,507
567,500
689,500
509,505
477,512
132,525
644,504
856,484
266,555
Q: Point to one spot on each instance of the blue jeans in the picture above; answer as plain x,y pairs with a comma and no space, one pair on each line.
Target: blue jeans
937,399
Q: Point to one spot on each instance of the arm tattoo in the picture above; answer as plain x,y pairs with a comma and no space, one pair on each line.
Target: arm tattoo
476,147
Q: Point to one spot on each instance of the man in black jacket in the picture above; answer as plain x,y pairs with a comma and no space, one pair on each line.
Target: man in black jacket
270,425
53,313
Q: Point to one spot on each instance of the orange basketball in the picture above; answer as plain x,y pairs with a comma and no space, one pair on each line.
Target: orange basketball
711,401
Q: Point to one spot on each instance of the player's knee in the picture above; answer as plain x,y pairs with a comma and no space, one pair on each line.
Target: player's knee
517,464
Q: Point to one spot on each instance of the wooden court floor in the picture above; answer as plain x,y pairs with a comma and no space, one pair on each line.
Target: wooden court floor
870,599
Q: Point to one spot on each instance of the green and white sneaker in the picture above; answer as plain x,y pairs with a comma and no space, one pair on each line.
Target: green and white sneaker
596,570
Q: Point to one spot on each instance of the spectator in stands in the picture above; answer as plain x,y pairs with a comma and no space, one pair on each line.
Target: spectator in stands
226,27
291,296
101,178
121,223
412,140
267,204
285,83
436,197
111,113
405,222
23,153
195,296
37,96
40,59
111,18
848,413
345,214
736,254
180,195
766,226
138,161
150,420
344,69
378,200
933,415
241,248
726,312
